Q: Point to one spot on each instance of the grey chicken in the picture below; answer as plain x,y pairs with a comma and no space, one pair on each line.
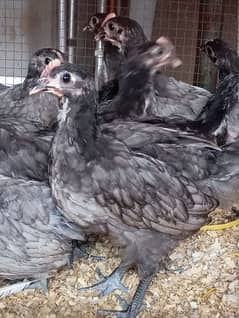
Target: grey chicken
222,56
118,27
136,97
35,238
218,120
122,32
24,156
146,204
42,108
27,123
95,21
220,116
173,97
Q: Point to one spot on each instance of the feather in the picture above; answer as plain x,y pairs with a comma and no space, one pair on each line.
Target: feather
27,123
15,288
146,203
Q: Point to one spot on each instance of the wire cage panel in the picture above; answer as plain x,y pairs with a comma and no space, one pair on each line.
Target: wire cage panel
25,26
189,24
85,44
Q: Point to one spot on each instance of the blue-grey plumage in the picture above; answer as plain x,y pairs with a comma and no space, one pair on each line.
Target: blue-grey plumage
145,203
27,123
16,102
220,115
158,94
218,119
24,156
118,43
35,238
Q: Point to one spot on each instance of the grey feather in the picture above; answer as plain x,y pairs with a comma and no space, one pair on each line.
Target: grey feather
27,123
35,238
15,288
151,92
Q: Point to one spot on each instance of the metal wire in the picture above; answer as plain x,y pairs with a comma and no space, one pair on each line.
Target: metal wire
189,24
62,24
13,42
99,50
85,44
71,32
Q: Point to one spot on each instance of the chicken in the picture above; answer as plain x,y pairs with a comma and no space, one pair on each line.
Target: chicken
137,96
218,120
220,115
126,34
224,58
27,123
42,108
35,238
24,156
122,32
111,57
145,203
114,57
94,23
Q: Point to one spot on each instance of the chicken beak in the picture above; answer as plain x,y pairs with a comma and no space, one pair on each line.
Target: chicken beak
87,28
43,85
176,62
62,57
169,56
169,60
100,35
203,48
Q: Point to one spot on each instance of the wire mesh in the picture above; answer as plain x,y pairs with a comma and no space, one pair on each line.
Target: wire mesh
13,42
27,25
189,24
85,44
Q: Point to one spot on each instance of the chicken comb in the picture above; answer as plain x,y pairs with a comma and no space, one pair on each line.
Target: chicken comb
109,16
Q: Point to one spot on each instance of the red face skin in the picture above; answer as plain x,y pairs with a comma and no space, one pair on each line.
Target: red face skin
50,66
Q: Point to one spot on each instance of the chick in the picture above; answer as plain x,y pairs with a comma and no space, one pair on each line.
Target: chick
146,204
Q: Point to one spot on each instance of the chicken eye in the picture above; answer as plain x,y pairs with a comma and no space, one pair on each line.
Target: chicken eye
120,31
209,51
94,20
111,26
66,77
157,51
47,60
